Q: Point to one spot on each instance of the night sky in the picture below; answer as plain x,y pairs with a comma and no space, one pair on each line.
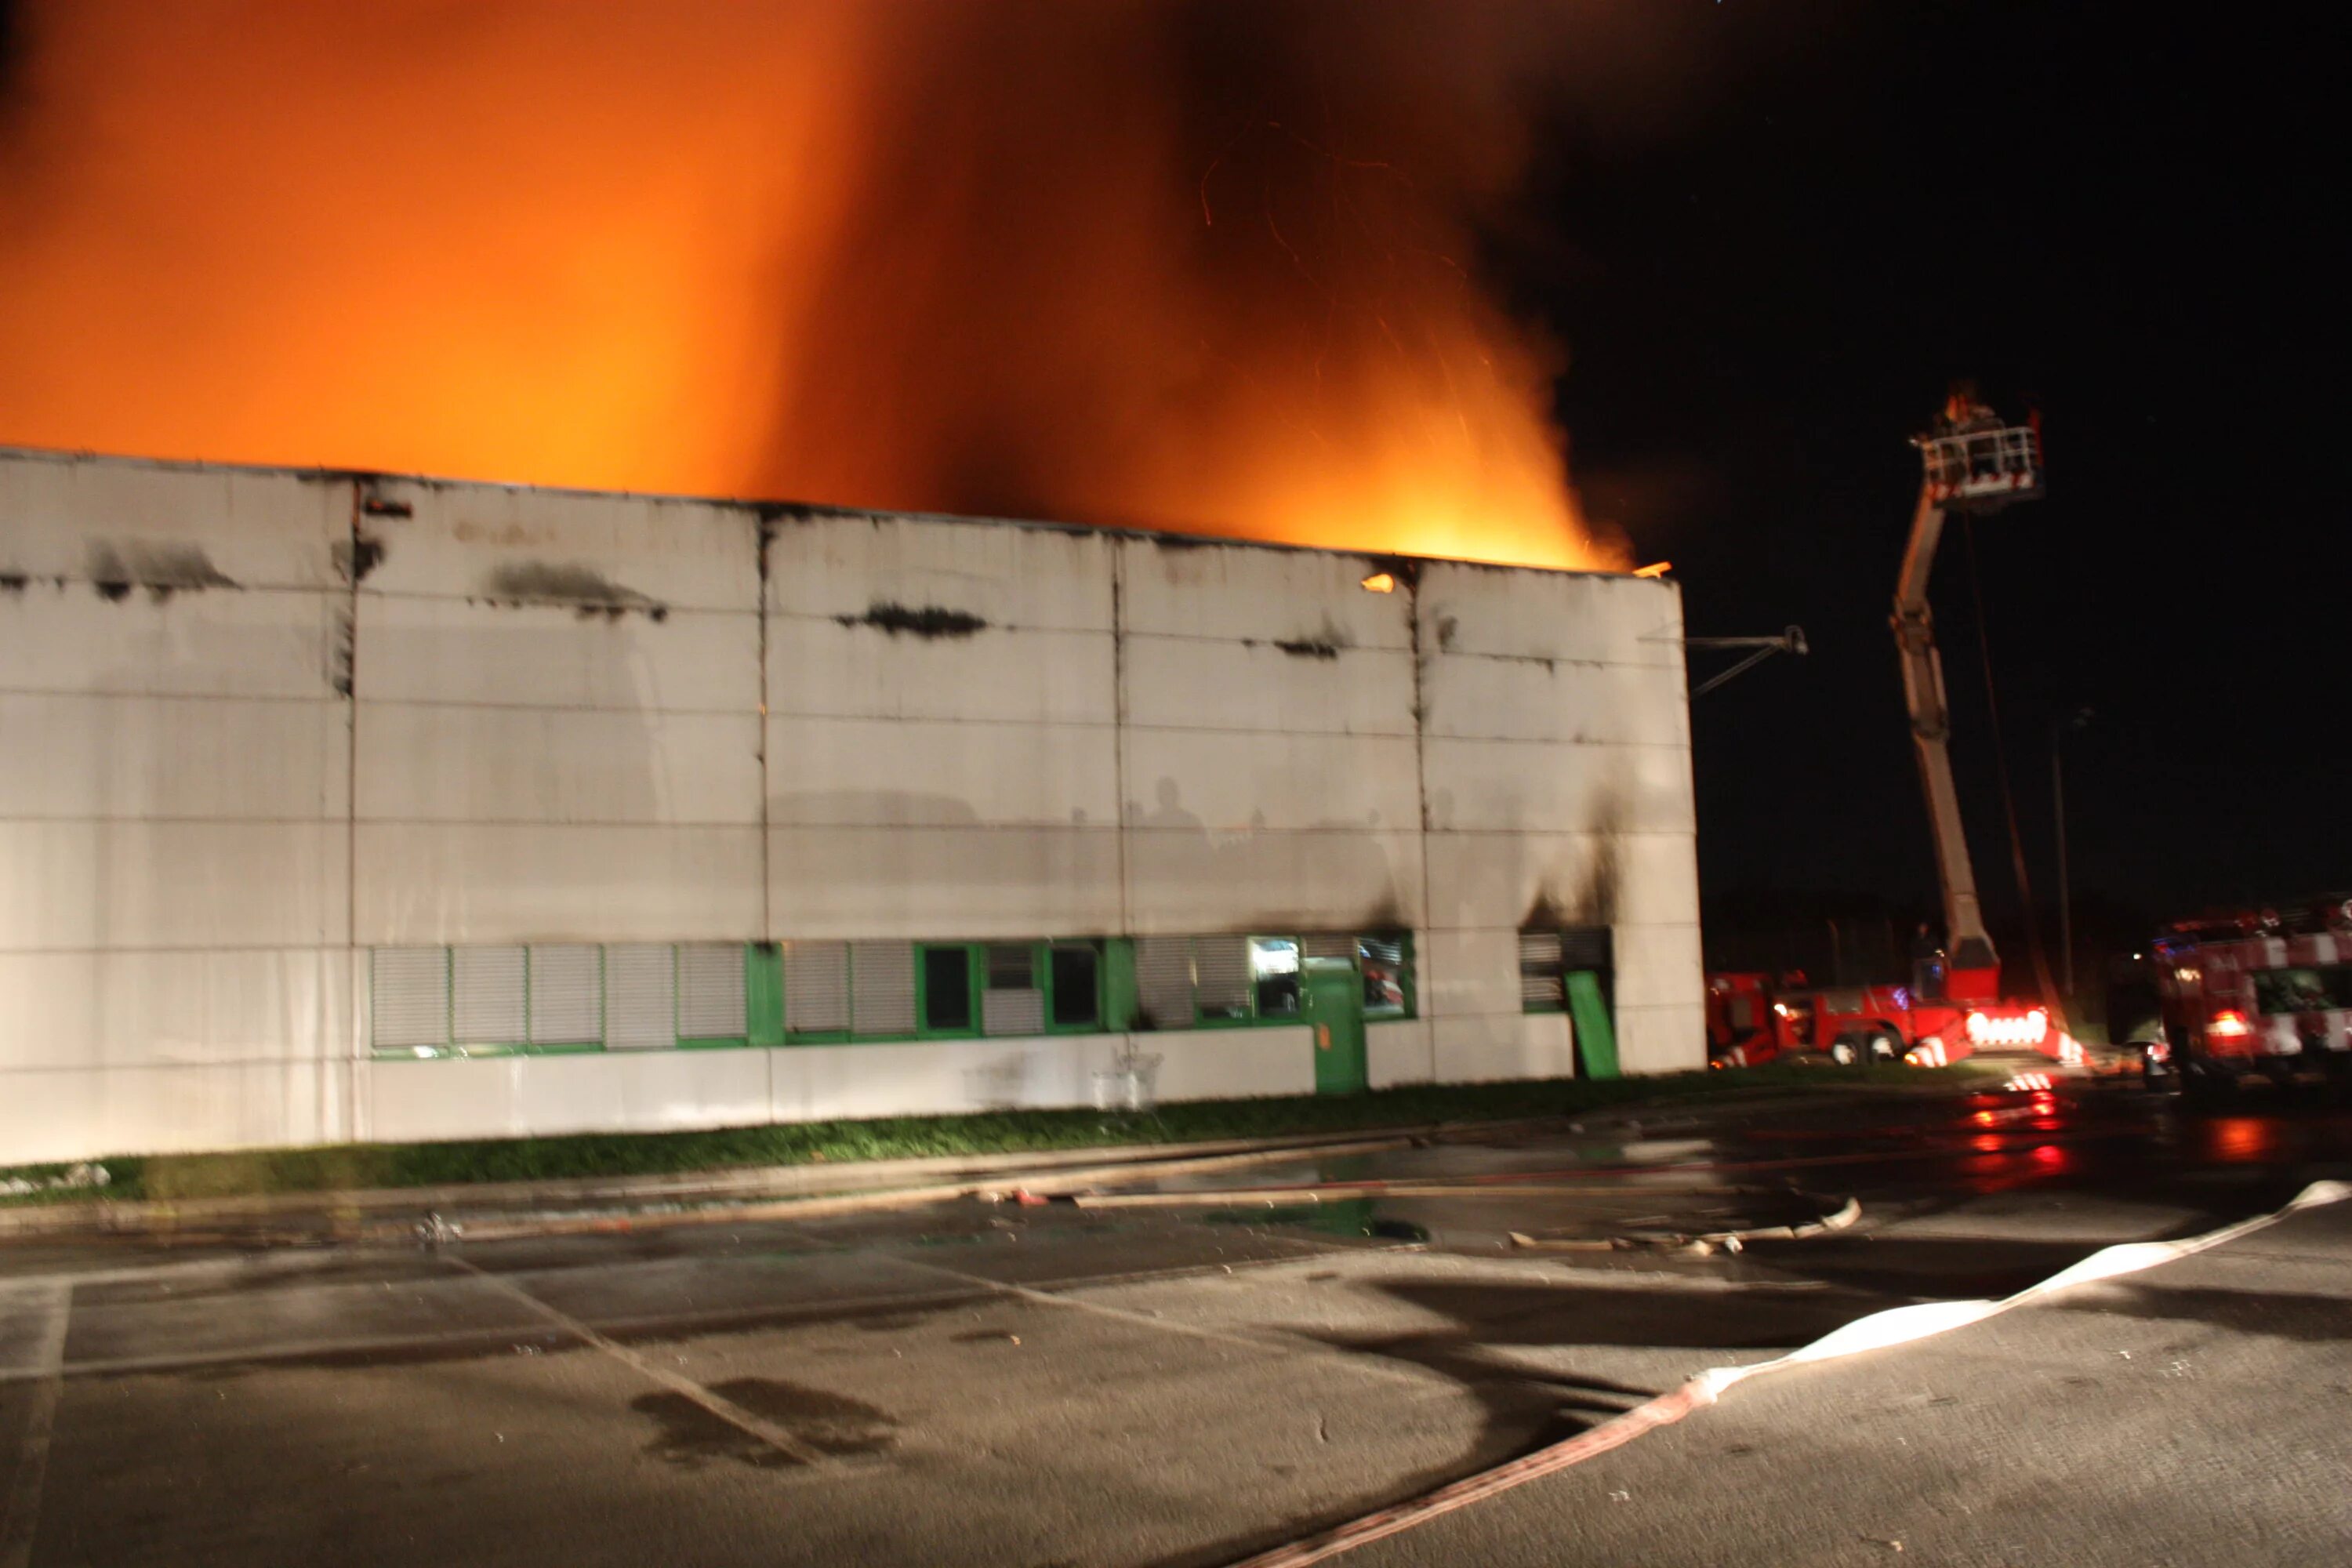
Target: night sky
2114,218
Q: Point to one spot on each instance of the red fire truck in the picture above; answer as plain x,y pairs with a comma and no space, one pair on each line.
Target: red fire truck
1753,1018
1973,462
2259,995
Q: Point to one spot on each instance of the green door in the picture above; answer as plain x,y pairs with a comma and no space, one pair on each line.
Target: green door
1335,1008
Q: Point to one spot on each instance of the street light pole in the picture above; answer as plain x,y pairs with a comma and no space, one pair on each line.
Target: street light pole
2059,729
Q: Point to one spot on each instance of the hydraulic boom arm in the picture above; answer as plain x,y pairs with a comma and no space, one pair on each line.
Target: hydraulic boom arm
1931,732
1974,463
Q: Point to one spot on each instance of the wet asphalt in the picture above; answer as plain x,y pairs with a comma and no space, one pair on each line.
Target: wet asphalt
1167,1381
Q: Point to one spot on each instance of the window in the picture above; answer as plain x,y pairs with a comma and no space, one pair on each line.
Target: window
567,994
1074,976
1186,981
488,996
1163,983
1221,976
710,993
1274,975
409,988
2278,991
947,988
640,996
1384,964
817,987
497,999
1542,987
1014,1002
881,987
1547,958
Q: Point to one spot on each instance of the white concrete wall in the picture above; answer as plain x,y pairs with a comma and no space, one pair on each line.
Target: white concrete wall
1556,758
175,967
256,723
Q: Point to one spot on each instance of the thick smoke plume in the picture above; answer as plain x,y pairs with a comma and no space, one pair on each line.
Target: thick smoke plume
1210,266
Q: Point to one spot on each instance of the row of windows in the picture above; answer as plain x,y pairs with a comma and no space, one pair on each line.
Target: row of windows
560,996
464,1001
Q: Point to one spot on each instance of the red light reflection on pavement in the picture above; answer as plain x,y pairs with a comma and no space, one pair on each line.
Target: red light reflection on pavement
2238,1140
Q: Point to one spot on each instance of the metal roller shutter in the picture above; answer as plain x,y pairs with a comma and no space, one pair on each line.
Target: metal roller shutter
1014,1002
710,990
1221,971
816,986
1540,977
408,991
640,996
882,988
1164,981
1586,948
1328,945
487,996
567,994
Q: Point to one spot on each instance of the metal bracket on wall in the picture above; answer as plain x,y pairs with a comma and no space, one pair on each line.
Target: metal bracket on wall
1791,641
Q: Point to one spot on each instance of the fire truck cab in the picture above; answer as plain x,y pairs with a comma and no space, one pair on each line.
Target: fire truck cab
2257,996
1752,1019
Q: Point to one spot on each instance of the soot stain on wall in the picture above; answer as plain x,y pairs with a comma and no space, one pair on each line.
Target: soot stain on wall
163,570
586,590
925,621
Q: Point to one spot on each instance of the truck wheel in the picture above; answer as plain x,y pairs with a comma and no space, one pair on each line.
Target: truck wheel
1847,1051
1884,1047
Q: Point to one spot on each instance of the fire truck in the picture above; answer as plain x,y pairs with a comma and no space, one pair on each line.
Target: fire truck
2255,997
1973,461
1752,1019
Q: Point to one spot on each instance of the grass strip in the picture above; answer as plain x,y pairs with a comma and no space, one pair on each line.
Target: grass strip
351,1166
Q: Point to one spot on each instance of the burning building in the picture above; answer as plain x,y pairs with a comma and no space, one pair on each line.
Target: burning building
349,806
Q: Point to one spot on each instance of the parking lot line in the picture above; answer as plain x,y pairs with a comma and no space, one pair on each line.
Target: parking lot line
727,1410
20,1510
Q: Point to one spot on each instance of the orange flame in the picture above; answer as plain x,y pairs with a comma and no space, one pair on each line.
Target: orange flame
1089,262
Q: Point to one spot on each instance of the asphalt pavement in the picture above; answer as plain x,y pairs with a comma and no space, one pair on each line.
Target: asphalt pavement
1200,1370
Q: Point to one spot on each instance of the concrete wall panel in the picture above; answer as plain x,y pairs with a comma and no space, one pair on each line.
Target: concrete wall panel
545,656
1529,786
937,1078
873,773
87,518
821,668
1399,1053
95,1112
1185,881
1031,577
1513,1046
1232,1064
1210,782
1469,972
568,547
1258,592
175,757
181,1008
1668,1039
430,883
80,885
217,643
1523,700
1500,880
942,881
1469,609
1658,965
1192,683
421,763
